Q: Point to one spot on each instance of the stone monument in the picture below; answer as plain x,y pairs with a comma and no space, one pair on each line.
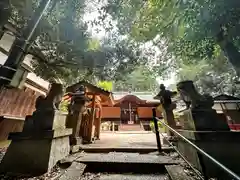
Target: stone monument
203,127
165,99
199,115
74,119
44,140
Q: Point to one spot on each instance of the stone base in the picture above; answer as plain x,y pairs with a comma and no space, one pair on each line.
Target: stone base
75,148
202,120
35,153
75,144
75,140
223,146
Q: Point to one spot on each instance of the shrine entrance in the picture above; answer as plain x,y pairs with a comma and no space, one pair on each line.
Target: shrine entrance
129,113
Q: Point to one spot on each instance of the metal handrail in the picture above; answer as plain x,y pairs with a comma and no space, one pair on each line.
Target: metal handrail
180,154
227,170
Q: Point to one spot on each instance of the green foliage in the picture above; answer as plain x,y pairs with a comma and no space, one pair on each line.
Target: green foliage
189,37
94,44
160,127
63,46
141,79
192,29
106,85
64,106
217,77
198,36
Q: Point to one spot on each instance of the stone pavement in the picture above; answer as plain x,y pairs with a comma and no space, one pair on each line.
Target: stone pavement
136,139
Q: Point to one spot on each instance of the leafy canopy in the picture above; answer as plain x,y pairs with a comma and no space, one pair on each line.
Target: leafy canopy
192,29
64,47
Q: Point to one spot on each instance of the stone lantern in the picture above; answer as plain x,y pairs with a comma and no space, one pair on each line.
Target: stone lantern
74,118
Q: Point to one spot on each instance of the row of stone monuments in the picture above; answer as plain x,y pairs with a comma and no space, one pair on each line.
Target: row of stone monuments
46,136
205,128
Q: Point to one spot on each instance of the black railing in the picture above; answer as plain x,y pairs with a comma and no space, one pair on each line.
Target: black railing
199,150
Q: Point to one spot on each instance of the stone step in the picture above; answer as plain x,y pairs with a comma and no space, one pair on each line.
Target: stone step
125,163
176,172
116,157
133,177
141,150
73,172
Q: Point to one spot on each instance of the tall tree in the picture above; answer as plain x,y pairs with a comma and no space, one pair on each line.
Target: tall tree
192,29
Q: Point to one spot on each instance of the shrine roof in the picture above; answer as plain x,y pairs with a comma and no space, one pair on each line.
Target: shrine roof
145,96
105,96
225,97
88,85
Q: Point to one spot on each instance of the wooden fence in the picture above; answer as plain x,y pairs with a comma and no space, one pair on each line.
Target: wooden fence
8,125
15,104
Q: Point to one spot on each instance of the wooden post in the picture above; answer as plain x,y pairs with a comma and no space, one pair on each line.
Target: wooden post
130,112
97,127
98,121
97,124
91,120
156,130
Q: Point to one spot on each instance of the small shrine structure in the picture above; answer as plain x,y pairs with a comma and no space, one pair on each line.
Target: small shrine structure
229,108
87,112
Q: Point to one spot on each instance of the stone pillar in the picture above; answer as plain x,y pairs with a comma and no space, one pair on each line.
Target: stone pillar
74,121
43,142
167,107
169,118
203,127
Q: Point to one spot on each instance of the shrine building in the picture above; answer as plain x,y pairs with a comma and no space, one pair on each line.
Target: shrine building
130,111
121,111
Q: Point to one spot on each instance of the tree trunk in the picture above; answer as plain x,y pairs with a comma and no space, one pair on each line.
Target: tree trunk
233,55
230,50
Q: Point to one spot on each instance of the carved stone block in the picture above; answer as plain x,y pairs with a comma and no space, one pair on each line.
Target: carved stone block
43,142
35,154
203,120
223,146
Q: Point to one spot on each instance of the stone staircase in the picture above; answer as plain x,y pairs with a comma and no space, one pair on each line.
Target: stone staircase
127,166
